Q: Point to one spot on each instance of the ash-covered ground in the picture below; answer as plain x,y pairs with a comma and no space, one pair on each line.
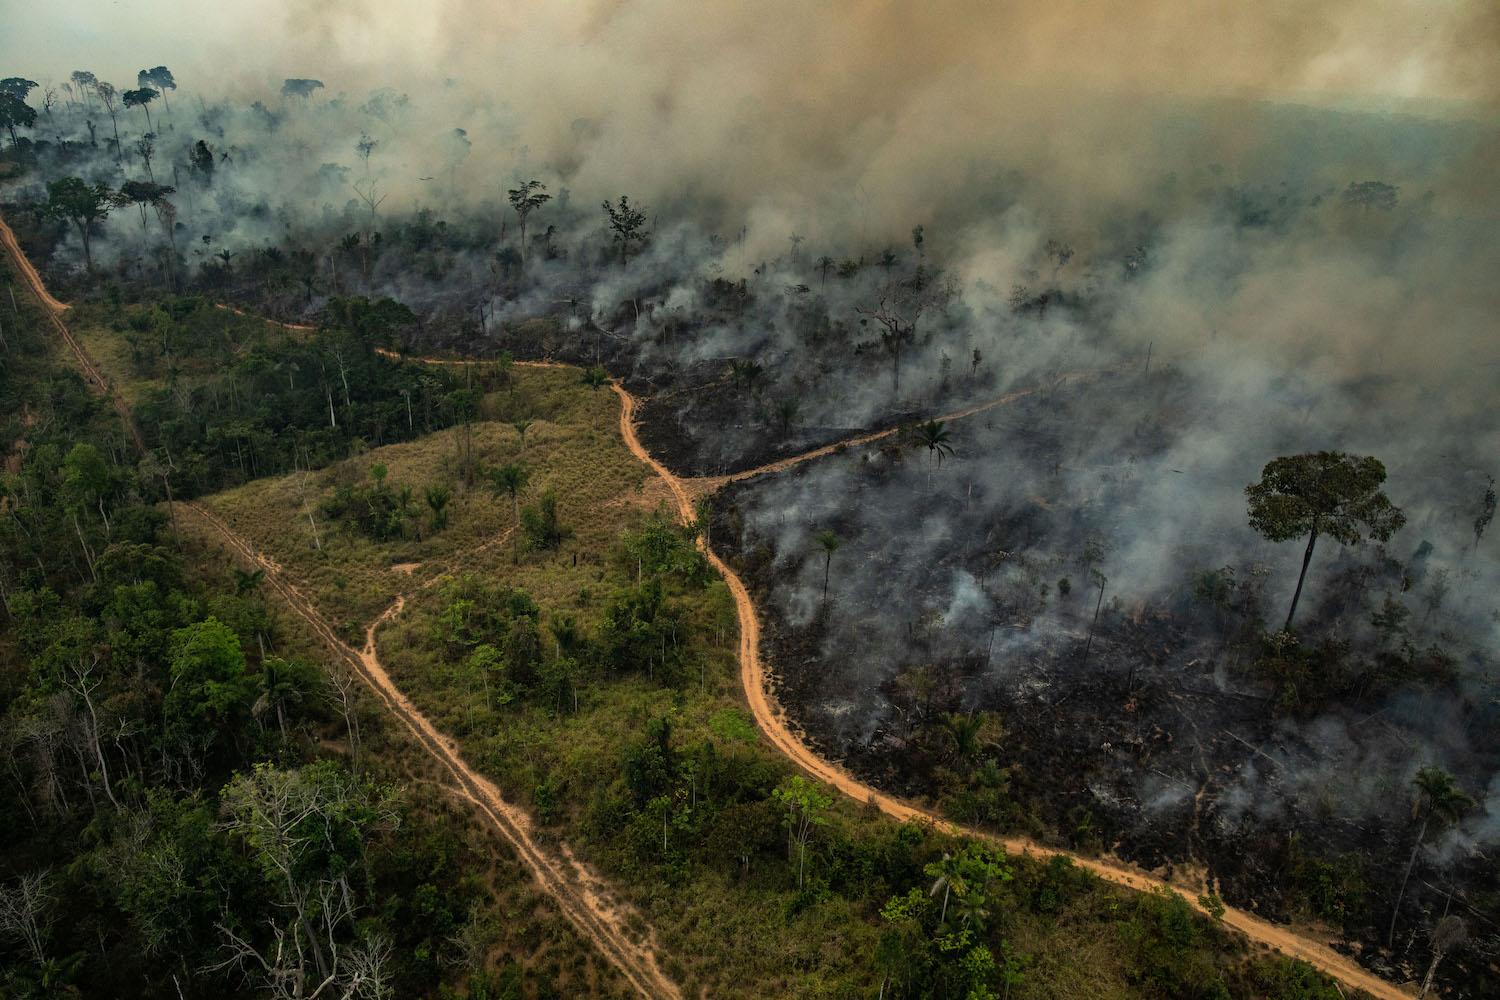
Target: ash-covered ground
1182,731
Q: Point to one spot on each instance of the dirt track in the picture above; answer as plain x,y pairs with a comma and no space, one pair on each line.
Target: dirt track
53,309
580,894
774,724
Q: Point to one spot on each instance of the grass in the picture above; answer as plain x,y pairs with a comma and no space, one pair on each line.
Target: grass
567,450
196,344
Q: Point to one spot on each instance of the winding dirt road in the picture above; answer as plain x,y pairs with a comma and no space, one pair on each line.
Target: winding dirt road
580,893
773,723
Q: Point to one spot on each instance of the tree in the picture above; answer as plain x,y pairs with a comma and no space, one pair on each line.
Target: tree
437,497
364,147
284,684
17,87
627,224
15,113
511,479
1447,934
824,264
300,87
142,194
522,426
936,438
201,160
210,691
1438,798
804,806
829,543
895,312
159,77
595,378
305,831
80,203
141,98
84,83
1486,512
524,200
26,912
1322,493
106,92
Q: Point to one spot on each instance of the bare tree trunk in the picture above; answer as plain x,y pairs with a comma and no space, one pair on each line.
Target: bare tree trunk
1411,863
1312,539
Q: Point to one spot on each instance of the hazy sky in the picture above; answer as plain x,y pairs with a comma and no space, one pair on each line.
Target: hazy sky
1416,49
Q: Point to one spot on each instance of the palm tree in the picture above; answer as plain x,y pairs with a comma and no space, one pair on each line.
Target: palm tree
948,876
829,543
1438,798
964,730
936,438
437,498
282,683
511,478
522,426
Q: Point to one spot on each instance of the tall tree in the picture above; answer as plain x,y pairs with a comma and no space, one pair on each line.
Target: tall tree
15,113
804,806
510,479
17,87
1438,799
1321,493
1486,511
627,224
829,543
84,83
106,92
524,200
937,439
80,203
159,77
300,87
142,99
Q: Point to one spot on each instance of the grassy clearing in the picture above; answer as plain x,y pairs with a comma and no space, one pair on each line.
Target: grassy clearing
354,577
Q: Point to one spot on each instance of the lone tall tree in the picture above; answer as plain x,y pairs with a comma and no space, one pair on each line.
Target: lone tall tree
106,92
527,199
1321,493
80,203
142,99
937,439
829,543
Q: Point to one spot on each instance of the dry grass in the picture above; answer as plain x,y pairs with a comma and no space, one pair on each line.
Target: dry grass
571,448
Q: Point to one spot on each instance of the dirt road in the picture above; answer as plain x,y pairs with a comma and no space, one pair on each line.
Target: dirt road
53,310
773,723
580,894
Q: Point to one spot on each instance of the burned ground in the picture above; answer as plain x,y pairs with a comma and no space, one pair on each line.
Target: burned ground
1180,734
